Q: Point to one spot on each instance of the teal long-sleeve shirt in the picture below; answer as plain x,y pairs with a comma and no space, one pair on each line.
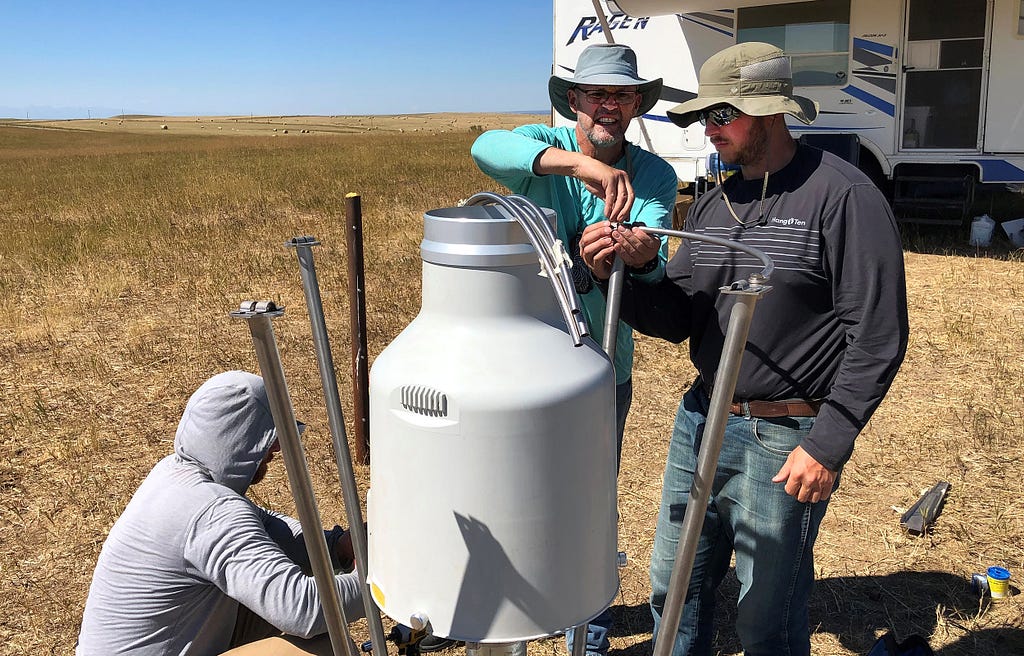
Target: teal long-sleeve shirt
508,158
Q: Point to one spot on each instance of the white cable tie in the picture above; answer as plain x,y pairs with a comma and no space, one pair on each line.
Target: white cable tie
543,272
559,253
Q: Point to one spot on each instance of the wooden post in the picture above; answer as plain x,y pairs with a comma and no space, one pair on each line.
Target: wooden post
357,321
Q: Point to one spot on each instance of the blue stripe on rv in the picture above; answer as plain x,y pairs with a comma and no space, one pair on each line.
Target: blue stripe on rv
800,127
655,117
873,46
998,170
873,100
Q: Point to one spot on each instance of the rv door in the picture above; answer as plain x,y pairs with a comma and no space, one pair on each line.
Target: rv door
943,66
1004,121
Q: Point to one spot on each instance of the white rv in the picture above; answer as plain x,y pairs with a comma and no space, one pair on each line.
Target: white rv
926,96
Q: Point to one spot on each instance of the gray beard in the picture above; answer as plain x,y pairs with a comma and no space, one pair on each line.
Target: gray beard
602,143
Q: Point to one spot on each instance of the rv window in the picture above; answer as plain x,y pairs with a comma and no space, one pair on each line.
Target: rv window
816,36
961,53
1020,19
945,19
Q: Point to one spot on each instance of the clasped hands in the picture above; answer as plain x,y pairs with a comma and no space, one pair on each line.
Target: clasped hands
601,242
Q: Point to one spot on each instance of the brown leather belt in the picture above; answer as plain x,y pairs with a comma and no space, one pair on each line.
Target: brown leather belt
767,409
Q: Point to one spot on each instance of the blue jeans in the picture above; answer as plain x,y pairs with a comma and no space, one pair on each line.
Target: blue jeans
598,628
771,533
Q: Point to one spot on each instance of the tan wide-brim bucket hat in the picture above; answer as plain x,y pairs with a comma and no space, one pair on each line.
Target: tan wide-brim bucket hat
604,64
755,78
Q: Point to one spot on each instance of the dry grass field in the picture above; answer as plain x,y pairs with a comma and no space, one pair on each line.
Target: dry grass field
125,246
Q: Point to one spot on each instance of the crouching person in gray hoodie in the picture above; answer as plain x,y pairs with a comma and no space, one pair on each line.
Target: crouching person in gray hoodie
192,560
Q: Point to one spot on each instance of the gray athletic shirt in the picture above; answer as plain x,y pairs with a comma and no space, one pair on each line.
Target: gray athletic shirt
190,547
834,327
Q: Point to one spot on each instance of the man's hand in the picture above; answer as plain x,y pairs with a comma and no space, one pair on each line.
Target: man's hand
607,183
597,248
806,479
343,548
635,247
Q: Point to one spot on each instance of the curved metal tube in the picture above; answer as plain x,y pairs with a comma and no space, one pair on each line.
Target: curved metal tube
562,265
766,272
533,221
614,298
530,217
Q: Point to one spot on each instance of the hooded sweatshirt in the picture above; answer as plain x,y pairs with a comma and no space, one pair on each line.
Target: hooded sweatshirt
190,546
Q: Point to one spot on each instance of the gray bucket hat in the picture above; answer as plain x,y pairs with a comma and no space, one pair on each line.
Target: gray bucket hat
604,64
755,78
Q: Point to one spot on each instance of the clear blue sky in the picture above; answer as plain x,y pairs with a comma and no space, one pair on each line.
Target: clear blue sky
69,59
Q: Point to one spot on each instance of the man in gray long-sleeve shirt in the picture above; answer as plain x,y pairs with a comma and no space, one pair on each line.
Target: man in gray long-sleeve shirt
824,346
191,554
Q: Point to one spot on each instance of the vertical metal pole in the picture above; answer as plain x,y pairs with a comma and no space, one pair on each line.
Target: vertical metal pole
357,316
258,316
747,294
611,314
579,640
342,455
611,331
707,464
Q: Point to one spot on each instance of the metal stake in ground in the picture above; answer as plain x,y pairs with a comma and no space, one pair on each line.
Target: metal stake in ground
357,320
336,420
258,316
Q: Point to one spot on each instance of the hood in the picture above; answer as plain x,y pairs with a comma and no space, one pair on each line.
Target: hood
227,428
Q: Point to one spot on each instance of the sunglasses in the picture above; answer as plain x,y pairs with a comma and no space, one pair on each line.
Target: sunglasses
721,116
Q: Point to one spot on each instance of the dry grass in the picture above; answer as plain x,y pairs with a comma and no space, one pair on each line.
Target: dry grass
123,253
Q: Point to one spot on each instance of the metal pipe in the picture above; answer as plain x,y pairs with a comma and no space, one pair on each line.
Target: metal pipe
258,316
755,282
533,222
707,464
336,421
579,640
559,259
357,324
526,213
747,293
611,313
766,272
495,649
535,216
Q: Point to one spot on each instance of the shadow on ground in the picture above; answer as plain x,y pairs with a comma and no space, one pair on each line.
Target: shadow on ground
857,609
999,202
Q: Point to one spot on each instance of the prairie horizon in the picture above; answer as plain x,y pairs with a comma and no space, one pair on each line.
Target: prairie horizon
274,125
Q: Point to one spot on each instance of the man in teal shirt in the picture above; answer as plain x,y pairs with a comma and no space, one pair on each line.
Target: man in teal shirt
588,174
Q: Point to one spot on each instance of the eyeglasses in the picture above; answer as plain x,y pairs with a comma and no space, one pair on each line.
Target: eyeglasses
600,96
721,116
